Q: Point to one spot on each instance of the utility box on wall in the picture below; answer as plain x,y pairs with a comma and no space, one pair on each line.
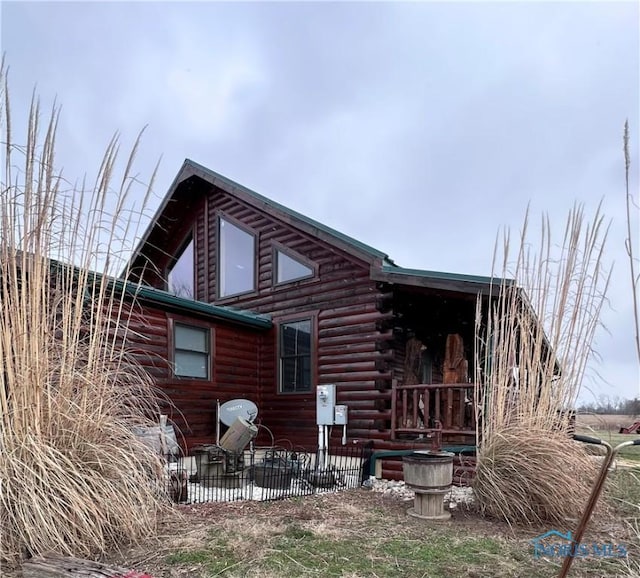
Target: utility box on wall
325,404
341,415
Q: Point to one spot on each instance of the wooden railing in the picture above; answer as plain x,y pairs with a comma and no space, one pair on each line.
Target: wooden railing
428,407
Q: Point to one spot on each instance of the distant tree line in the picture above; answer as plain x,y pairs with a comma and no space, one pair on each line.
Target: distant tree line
612,405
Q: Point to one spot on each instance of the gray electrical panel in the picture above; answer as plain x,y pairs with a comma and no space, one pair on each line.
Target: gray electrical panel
325,404
341,415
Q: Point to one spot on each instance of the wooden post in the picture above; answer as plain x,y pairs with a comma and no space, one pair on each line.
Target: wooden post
455,370
412,376
394,409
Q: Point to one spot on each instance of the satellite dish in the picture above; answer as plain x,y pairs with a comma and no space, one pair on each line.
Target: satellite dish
235,408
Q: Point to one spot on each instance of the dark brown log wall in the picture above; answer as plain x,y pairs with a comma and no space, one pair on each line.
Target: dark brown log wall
356,345
342,301
236,352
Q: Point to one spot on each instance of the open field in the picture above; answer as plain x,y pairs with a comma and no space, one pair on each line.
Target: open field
606,428
628,454
604,422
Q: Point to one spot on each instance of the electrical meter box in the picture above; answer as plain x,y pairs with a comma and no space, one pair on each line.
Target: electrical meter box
341,415
325,404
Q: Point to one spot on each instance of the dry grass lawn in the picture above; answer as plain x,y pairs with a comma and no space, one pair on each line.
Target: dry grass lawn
362,534
356,534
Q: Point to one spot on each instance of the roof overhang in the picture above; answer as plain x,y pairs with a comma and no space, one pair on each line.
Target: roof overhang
167,301
439,280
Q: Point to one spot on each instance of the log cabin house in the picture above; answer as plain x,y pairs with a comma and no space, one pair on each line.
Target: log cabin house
243,297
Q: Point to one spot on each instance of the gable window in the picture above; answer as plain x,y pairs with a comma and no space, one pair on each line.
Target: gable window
295,356
181,274
191,351
236,260
289,268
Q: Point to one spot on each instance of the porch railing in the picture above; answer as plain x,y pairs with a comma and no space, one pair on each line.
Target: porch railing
428,407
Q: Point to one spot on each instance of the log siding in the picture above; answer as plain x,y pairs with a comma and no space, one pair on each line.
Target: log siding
235,354
340,298
362,307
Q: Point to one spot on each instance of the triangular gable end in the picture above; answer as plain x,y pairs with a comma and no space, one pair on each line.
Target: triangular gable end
187,188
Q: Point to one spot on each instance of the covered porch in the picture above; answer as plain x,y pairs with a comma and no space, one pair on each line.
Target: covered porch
431,394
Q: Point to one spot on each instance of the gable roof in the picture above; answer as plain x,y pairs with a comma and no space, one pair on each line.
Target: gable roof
314,228
382,267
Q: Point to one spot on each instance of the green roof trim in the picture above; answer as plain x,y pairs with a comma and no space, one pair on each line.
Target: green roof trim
441,276
165,298
183,304
214,177
160,297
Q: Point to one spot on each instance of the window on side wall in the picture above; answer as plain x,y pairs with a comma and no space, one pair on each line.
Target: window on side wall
181,273
289,268
236,260
294,350
191,355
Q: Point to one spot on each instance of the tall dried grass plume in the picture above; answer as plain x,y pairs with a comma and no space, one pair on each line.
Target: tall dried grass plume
534,338
73,477
631,246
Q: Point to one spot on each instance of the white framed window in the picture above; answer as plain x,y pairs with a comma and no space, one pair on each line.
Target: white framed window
236,259
180,277
191,351
295,356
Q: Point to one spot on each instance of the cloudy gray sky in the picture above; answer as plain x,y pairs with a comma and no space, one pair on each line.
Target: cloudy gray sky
418,128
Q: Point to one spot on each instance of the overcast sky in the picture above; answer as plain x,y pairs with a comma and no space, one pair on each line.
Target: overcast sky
418,128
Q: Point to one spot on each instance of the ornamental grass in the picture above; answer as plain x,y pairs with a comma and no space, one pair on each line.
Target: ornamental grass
631,245
534,338
73,478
